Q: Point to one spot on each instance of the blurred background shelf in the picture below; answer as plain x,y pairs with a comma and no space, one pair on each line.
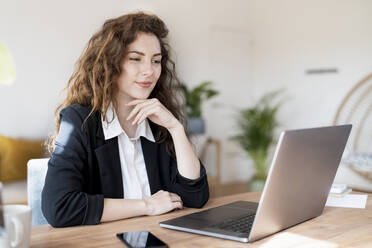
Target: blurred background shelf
228,189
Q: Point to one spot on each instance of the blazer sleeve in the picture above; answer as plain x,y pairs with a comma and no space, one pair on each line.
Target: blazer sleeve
63,201
193,192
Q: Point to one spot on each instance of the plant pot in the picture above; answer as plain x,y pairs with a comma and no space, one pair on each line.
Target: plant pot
196,125
256,184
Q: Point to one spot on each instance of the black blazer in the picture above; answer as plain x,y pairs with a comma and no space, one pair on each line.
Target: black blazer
85,168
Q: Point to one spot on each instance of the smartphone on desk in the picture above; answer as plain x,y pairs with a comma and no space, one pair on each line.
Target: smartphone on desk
141,239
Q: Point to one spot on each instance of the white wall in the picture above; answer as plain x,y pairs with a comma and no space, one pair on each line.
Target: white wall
45,38
245,47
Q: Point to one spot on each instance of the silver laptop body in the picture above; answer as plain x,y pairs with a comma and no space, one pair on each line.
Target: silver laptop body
300,177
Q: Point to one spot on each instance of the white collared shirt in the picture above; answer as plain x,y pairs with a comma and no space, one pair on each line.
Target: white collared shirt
133,168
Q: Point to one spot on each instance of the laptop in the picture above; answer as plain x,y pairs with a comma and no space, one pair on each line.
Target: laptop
299,180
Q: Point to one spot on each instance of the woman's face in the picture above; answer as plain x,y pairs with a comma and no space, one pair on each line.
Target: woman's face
141,68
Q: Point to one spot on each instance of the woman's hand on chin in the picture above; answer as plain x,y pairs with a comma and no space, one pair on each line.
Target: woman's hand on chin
155,111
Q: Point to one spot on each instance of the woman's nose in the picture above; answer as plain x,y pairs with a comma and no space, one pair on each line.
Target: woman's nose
147,69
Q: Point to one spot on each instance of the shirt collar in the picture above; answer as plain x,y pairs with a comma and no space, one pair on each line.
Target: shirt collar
114,129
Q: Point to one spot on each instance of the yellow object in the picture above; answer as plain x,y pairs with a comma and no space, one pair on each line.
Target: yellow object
14,155
7,68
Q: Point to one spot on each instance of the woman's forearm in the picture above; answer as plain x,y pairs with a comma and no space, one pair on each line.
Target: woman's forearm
158,203
117,209
187,161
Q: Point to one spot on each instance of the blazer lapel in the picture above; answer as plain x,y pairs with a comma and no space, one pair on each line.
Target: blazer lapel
107,153
150,151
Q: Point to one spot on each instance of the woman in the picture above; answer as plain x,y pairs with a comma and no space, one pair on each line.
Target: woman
120,148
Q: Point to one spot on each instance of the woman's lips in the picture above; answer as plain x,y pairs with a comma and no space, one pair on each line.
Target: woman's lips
144,84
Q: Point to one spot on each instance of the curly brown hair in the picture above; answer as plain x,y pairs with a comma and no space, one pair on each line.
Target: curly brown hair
93,81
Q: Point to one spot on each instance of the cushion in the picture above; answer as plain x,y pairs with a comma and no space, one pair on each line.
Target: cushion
14,155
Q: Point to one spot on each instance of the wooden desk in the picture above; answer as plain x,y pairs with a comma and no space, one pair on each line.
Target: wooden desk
336,227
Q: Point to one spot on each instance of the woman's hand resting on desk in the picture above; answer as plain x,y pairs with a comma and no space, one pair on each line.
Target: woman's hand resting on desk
162,202
159,203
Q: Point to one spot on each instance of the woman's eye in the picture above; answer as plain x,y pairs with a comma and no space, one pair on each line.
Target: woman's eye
156,61
135,59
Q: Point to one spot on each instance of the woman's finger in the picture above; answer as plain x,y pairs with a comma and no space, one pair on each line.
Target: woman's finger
141,113
175,197
137,108
133,112
177,205
145,112
135,102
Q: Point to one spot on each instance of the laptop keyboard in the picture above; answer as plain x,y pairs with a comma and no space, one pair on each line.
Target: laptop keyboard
242,224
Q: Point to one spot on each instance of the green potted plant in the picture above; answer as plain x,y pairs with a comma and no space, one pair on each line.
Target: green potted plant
194,99
256,134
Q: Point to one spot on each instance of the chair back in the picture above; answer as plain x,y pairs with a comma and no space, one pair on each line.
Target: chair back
36,172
